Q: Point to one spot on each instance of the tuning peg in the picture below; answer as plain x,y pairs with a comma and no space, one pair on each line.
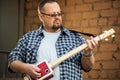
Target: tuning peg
113,35
106,39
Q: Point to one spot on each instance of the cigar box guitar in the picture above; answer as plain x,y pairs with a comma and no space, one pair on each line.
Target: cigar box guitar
46,68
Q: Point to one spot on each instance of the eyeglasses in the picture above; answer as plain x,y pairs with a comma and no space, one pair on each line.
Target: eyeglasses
53,15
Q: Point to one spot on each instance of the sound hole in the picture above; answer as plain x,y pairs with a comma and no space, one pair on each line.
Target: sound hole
46,71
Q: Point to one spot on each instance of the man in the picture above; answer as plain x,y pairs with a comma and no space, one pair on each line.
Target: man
49,42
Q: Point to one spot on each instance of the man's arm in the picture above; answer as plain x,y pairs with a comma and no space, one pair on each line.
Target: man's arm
88,62
30,69
18,66
88,59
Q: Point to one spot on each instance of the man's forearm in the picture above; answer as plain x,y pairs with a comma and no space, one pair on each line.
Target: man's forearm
87,62
18,66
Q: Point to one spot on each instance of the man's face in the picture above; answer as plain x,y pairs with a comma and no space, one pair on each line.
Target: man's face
51,17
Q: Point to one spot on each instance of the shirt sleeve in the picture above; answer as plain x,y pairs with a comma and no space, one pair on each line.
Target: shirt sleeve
18,53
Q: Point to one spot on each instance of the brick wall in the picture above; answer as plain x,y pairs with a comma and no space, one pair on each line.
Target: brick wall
92,16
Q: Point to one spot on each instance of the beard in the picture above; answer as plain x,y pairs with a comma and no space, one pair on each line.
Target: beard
57,26
54,27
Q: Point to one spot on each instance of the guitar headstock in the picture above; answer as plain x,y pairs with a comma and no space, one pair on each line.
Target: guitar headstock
105,35
113,35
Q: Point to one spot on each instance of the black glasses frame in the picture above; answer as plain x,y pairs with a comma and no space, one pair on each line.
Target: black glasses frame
53,15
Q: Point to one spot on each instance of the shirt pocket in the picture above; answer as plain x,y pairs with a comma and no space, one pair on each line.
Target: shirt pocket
31,54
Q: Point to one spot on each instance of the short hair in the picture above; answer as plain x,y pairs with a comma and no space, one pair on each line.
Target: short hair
43,2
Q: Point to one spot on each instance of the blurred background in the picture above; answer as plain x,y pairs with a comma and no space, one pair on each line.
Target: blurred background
18,17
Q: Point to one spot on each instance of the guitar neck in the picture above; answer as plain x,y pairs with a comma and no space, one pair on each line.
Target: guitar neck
78,49
66,56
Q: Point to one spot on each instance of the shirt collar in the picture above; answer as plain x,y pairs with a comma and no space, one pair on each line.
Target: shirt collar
64,31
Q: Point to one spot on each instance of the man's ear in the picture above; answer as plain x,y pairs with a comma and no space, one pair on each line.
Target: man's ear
38,10
40,15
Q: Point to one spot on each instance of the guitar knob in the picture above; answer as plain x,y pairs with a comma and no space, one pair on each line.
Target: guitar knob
113,36
106,39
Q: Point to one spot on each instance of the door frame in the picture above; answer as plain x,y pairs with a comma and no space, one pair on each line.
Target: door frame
21,18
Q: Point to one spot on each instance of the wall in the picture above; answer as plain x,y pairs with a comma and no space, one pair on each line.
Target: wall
91,16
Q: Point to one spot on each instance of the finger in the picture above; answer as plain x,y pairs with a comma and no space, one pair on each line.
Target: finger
37,71
89,44
95,41
36,75
36,68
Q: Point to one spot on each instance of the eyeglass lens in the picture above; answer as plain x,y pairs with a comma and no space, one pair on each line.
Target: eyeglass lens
53,15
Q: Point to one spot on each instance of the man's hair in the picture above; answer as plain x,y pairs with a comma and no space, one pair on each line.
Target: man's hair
43,2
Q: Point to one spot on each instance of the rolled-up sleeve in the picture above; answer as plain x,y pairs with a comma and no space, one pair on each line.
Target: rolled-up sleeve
18,53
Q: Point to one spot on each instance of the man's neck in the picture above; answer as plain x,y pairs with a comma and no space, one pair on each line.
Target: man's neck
52,30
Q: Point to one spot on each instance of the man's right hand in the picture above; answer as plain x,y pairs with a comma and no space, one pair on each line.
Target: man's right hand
30,69
33,71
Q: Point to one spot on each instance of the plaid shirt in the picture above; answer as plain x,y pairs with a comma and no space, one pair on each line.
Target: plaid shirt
28,45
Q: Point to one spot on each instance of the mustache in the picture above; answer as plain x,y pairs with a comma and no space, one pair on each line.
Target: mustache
57,20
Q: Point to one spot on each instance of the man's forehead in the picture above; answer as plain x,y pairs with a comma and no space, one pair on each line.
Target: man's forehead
52,7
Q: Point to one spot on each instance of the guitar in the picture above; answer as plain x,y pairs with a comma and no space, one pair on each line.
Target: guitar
46,68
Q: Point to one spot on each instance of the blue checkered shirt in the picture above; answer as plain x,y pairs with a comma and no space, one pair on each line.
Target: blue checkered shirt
26,51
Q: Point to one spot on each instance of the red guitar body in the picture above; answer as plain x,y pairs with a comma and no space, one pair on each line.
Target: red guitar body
45,70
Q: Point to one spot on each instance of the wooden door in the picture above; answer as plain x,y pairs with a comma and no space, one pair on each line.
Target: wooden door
11,27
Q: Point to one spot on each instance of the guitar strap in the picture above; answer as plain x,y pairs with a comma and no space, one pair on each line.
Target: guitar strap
86,34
